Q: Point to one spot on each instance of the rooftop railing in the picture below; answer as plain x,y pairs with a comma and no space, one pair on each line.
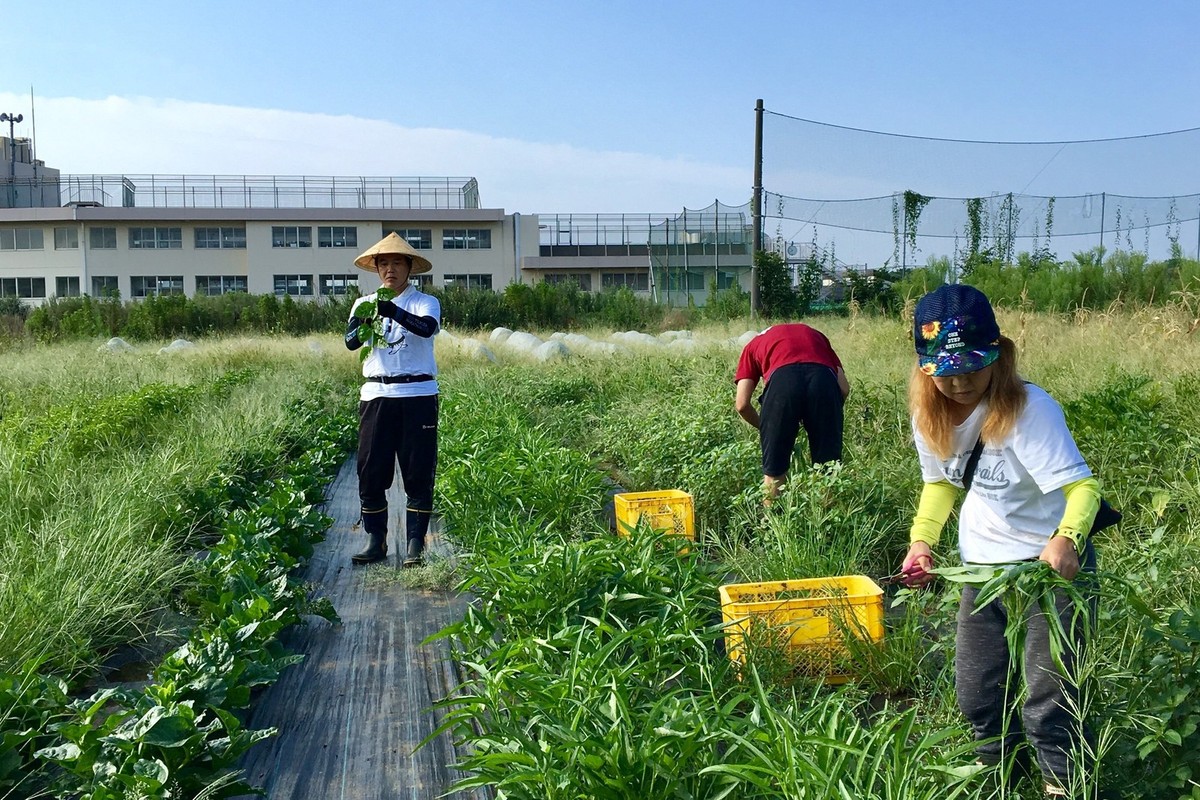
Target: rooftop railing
243,191
715,224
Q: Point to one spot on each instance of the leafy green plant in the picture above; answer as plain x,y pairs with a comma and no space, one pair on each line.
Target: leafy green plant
914,204
775,296
30,704
371,334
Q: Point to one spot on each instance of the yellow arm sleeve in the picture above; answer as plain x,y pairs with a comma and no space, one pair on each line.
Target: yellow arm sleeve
1083,501
933,509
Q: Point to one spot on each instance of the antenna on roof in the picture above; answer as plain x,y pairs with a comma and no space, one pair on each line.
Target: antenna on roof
33,132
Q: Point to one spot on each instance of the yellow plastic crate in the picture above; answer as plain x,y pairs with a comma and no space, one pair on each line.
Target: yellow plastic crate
668,511
809,619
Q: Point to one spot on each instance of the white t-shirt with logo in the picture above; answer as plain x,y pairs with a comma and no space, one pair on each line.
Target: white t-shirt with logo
406,353
1016,500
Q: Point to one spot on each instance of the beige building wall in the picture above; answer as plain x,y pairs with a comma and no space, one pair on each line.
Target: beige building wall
259,262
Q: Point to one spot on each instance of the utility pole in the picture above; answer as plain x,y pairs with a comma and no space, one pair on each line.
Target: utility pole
756,210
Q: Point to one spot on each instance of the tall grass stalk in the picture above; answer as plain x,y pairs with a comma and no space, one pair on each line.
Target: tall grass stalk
103,479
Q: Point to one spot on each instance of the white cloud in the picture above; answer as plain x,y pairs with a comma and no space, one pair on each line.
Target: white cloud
137,135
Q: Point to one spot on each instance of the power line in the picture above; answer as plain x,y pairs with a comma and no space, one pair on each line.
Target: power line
983,141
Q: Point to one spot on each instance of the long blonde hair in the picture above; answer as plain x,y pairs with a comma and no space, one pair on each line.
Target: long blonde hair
1005,397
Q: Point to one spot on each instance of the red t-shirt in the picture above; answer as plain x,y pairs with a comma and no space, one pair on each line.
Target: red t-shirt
780,345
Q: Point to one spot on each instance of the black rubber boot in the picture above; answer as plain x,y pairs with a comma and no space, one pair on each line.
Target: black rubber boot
375,524
416,525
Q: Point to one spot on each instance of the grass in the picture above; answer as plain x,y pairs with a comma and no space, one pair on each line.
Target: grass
595,663
660,420
104,461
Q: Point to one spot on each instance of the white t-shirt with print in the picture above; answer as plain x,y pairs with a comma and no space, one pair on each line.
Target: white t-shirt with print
1016,500
406,353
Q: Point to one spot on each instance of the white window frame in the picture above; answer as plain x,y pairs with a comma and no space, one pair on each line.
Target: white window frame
338,284
296,285
291,236
145,238
68,282
105,235
220,238
224,284
337,236
163,285
471,280
417,238
66,238
467,239
32,288
21,239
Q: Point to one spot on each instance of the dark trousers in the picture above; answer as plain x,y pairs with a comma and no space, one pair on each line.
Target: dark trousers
987,682
391,430
800,394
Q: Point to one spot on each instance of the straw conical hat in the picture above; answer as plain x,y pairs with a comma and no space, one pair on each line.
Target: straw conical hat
393,243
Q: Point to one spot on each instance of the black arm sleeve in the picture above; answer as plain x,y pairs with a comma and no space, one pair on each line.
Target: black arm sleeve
421,326
352,340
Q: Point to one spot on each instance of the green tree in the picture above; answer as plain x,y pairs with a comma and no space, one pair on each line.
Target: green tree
775,295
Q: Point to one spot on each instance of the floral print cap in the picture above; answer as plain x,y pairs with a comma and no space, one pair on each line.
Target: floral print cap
955,331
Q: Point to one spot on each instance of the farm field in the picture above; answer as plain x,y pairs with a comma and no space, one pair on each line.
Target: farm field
594,664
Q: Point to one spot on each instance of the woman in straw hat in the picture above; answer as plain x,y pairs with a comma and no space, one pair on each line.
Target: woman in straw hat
398,402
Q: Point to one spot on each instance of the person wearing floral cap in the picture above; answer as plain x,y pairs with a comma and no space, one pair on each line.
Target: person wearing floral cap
1030,496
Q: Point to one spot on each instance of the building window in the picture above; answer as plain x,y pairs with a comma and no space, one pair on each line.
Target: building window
726,280
23,287
466,239
295,285
150,285
21,239
102,238
471,281
66,238
337,236
417,238
105,286
66,287
155,238
421,281
220,238
583,281
637,281
291,236
679,280
213,285
338,284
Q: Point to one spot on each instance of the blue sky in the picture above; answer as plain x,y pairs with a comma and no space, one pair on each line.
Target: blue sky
572,106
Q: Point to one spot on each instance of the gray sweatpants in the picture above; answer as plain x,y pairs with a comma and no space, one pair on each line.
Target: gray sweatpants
988,683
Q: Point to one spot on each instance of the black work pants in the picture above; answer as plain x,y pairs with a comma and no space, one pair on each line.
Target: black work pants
800,394
391,430
986,681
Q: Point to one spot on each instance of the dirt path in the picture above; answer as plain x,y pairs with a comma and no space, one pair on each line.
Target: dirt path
351,715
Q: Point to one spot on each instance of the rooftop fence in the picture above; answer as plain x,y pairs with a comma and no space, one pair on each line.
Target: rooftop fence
240,191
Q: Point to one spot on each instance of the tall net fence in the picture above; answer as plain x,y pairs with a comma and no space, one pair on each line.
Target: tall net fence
699,250
878,199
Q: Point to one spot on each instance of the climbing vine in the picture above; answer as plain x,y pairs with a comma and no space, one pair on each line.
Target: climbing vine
1173,231
1044,253
895,232
914,204
975,226
1010,214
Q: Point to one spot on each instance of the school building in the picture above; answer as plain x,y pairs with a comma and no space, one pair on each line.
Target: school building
141,235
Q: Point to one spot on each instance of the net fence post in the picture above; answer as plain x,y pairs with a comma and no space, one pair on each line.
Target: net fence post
756,207
1102,199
